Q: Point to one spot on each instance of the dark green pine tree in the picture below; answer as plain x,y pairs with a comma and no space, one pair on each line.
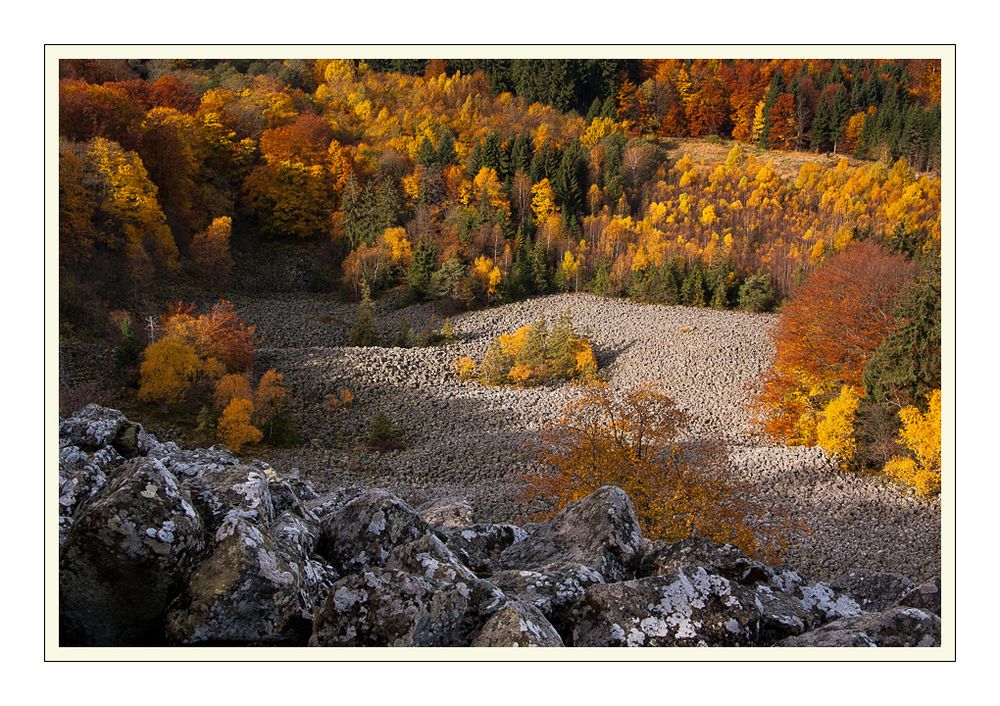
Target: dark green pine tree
539,269
693,287
908,363
521,152
569,183
476,161
770,98
720,297
492,152
422,267
820,125
446,148
426,154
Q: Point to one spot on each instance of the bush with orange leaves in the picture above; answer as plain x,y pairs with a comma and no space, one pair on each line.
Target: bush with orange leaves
679,488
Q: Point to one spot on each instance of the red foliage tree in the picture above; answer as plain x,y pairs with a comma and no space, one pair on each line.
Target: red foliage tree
826,333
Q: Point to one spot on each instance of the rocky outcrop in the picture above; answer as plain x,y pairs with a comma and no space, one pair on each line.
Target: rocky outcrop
600,532
166,546
899,626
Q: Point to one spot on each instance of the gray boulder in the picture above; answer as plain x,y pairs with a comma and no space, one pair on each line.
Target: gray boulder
363,532
724,560
517,625
224,493
874,591
926,596
481,545
249,590
377,608
125,556
896,627
600,532
447,512
554,590
689,608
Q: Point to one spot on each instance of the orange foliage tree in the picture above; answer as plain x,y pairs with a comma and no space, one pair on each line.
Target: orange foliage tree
825,335
632,441
235,428
168,368
270,399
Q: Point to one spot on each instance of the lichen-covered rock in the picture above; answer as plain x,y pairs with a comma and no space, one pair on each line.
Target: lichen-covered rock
223,493
251,589
873,591
782,615
722,559
926,596
429,558
821,600
552,589
364,531
480,546
322,506
92,427
600,532
124,557
689,608
518,625
896,627
457,612
290,494
379,607
81,476
447,512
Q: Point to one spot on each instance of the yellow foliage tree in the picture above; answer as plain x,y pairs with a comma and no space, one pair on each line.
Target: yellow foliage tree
921,435
543,201
397,244
678,490
835,428
235,428
168,368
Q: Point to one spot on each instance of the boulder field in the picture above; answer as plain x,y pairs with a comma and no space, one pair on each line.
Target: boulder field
161,545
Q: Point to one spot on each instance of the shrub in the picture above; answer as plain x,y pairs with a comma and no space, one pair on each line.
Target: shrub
679,489
232,387
535,354
342,399
382,434
835,427
270,399
363,332
465,367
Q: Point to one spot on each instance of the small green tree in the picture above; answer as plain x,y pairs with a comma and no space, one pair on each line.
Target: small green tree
756,293
383,434
561,353
418,277
363,332
720,298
